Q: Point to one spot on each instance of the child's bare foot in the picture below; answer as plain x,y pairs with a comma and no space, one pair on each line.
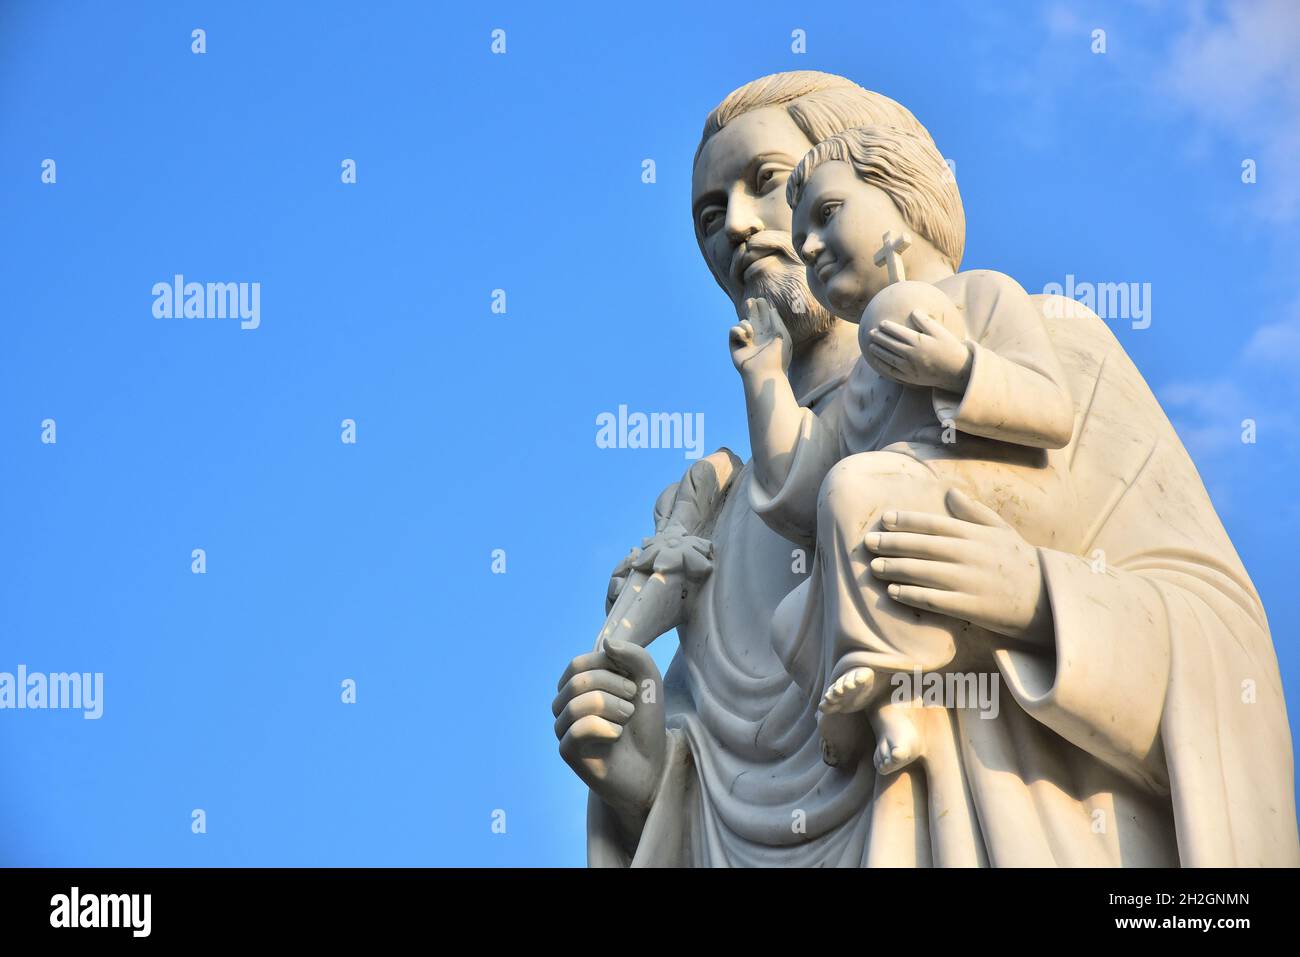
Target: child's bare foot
849,692
898,743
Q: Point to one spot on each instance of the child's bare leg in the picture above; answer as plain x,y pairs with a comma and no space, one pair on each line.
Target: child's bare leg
898,743
866,630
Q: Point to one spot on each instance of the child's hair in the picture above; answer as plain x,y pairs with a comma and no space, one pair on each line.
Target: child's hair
908,168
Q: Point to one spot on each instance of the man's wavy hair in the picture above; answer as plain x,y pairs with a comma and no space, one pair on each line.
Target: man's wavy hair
908,168
820,104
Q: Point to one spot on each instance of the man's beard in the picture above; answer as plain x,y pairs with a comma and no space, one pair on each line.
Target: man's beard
787,289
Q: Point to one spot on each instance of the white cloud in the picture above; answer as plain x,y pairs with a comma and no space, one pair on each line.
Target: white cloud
1277,342
1227,68
1236,71
1258,383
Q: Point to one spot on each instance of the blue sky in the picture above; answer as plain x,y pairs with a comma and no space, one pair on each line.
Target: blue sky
475,431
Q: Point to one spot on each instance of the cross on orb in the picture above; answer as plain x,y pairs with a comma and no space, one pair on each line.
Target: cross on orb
890,255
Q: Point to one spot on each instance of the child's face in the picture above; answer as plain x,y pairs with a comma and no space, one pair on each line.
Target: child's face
838,228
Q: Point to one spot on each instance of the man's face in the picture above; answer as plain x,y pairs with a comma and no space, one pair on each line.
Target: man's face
742,219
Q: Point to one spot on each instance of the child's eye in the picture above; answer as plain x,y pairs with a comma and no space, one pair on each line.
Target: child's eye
828,210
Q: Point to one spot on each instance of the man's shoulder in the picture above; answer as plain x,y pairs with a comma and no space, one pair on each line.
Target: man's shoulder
1082,340
973,282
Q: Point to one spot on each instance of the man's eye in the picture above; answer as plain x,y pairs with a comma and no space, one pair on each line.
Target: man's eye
766,177
710,218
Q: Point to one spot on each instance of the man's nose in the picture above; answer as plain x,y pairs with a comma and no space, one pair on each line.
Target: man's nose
743,220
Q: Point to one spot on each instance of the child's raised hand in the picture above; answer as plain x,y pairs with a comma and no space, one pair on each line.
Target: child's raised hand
760,343
923,353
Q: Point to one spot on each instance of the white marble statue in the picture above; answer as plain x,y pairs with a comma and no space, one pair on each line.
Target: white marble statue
985,484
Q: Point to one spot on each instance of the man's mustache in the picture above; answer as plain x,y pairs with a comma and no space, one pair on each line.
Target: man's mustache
757,247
